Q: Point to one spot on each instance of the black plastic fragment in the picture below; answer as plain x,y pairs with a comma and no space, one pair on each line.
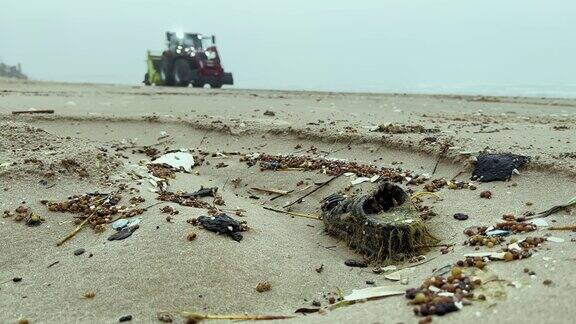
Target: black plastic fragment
223,224
356,263
497,167
203,192
122,234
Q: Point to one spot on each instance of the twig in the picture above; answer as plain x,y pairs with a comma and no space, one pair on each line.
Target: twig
563,228
291,213
273,191
199,316
43,111
299,200
555,209
443,152
76,230
53,264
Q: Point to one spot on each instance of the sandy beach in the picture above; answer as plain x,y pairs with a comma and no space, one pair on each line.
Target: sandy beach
157,269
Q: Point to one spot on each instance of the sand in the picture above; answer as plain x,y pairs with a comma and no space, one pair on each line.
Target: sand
157,269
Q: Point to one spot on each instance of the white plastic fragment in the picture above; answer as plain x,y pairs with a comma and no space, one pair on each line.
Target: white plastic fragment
400,274
555,239
119,224
539,222
177,160
359,180
372,292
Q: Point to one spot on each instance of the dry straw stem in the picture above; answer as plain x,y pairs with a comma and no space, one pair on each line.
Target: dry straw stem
191,316
291,213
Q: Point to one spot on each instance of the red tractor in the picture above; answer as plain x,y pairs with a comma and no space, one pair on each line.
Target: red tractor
190,58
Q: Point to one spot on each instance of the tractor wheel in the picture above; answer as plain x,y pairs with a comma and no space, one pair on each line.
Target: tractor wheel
198,84
182,73
165,73
216,85
146,79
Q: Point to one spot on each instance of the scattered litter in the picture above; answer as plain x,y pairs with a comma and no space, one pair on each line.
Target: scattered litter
223,224
119,224
555,239
180,160
389,268
372,293
497,167
498,233
122,234
359,180
539,222
379,225
400,274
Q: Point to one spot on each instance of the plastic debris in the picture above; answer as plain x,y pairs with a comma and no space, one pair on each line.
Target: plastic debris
372,293
119,224
359,180
176,160
497,167
224,224
122,234
379,225
497,232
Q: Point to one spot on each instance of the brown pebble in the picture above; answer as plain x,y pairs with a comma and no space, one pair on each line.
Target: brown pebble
486,194
331,300
263,286
90,295
547,282
508,256
191,236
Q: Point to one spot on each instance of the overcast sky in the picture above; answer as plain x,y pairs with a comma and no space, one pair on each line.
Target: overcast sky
499,46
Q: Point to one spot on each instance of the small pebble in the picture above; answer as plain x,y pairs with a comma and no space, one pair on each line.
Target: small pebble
17,279
316,303
456,272
486,194
331,300
420,298
165,318
125,318
508,256
79,252
263,286
460,216
547,282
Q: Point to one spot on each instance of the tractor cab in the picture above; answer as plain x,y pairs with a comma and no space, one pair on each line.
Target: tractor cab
189,58
197,42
